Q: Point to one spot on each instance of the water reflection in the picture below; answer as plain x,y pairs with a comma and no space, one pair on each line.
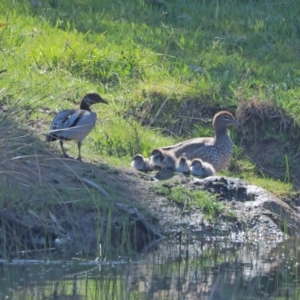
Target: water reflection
197,271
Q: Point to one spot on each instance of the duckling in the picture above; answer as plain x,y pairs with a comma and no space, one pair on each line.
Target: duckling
74,124
142,164
163,159
183,165
169,160
157,158
215,150
202,169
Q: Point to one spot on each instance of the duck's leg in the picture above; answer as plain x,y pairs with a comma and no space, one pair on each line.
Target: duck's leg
63,150
79,153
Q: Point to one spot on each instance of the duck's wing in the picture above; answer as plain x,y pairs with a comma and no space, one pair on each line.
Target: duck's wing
176,145
73,124
191,148
59,123
64,119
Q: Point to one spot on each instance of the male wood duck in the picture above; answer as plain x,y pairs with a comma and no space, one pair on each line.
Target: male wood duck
74,124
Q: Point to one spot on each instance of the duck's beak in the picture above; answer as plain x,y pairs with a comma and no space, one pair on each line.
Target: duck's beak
235,122
103,101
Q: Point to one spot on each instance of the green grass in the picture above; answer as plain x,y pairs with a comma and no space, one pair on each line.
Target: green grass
164,75
191,199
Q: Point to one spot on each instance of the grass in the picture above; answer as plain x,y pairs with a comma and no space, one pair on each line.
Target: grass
165,70
160,68
190,199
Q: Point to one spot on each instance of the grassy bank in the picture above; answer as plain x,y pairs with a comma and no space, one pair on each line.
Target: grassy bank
160,66
165,69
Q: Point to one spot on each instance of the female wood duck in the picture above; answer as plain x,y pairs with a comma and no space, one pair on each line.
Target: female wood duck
74,124
215,150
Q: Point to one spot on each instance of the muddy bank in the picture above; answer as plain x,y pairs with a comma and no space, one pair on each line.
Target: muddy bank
49,202
250,212
130,214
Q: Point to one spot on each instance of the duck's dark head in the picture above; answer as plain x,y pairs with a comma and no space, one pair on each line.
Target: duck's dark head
222,120
157,153
90,99
197,162
182,160
138,158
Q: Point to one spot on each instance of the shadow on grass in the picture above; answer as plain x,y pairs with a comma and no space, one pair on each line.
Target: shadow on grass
49,201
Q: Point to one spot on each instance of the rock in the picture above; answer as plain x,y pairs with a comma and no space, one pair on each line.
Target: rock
257,205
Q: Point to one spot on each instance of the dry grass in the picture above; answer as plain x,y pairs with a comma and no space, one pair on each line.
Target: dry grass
254,111
45,195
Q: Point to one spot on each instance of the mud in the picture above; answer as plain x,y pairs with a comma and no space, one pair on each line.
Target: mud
71,206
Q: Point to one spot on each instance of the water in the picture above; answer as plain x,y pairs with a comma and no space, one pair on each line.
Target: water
215,270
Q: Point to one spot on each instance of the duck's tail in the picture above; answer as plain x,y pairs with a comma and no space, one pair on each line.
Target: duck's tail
51,137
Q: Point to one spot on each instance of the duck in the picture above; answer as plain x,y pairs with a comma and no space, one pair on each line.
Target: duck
215,150
74,124
157,158
201,169
163,159
139,162
183,165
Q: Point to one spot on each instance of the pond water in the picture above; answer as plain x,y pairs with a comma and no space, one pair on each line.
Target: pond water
211,270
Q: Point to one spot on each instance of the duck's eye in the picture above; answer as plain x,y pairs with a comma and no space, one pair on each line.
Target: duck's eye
226,117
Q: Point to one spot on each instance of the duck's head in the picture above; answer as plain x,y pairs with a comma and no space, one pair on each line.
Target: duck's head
157,153
139,158
182,160
157,158
138,162
90,99
197,162
222,120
